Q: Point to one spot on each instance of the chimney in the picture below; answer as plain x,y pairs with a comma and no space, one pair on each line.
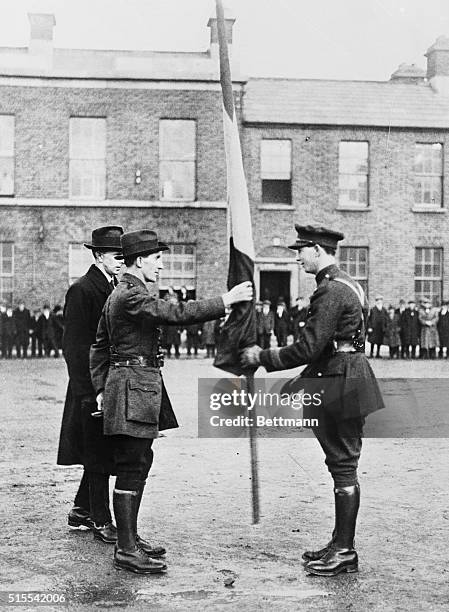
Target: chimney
438,65
229,20
41,38
408,73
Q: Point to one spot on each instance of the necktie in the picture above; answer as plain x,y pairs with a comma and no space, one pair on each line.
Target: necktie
112,285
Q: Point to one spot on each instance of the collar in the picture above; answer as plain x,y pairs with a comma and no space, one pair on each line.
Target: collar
109,278
327,272
134,280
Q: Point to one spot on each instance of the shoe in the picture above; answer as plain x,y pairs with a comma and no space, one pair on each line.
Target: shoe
137,561
334,562
79,519
152,551
314,555
106,533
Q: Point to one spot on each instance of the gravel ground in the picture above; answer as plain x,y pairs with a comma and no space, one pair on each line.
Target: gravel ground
197,503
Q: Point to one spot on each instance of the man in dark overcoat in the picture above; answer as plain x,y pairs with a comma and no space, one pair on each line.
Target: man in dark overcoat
377,324
264,324
22,319
443,329
411,330
82,441
281,323
332,343
125,368
298,315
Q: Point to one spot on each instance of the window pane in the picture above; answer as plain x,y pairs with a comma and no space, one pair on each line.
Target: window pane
428,168
88,179
6,271
177,180
353,157
177,139
87,138
6,135
179,267
275,159
279,192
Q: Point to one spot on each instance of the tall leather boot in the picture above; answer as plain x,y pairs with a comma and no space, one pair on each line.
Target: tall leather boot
341,556
127,555
314,555
151,551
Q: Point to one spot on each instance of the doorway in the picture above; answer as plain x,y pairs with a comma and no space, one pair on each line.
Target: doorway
273,285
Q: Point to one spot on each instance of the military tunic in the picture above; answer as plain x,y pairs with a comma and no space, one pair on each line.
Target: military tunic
136,403
335,315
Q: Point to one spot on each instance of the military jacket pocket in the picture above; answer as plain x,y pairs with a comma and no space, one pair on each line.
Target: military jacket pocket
143,401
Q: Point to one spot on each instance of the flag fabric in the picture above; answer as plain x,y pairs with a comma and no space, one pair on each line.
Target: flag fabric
239,331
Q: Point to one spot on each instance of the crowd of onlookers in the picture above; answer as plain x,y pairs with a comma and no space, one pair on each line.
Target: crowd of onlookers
409,330
30,334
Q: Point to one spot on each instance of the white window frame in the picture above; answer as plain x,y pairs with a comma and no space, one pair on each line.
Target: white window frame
168,159
176,256
7,154
354,260
87,160
7,276
347,175
432,279
425,180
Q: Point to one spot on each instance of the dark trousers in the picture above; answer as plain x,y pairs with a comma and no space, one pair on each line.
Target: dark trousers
373,344
193,342
133,459
394,352
22,342
264,340
93,496
281,338
36,346
341,442
210,348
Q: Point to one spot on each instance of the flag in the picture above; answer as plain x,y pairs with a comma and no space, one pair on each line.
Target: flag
239,331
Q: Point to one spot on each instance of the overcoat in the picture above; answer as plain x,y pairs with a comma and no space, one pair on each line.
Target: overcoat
443,328
377,322
410,327
136,403
429,333
392,336
335,315
81,439
22,319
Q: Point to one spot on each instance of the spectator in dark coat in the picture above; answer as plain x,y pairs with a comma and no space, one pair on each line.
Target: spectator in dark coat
82,440
36,338
193,338
264,325
22,319
9,332
208,337
411,327
401,312
2,337
298,315
443,329
392,332
57,320
376,325
46,331
281,323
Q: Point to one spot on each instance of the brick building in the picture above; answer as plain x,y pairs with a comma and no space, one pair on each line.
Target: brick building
89,138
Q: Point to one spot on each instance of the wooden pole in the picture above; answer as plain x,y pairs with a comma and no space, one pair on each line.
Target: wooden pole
255,501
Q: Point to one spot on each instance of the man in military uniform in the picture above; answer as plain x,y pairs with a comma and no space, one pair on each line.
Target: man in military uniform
125,368
332,343
81,440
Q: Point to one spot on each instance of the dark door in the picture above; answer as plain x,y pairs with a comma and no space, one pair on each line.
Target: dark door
274,285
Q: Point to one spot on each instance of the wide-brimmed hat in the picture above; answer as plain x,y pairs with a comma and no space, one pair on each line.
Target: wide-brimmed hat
141,241
106,238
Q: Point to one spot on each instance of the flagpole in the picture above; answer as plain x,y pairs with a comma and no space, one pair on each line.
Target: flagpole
244,243
255,498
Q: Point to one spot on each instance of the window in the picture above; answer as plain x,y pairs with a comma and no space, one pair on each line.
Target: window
80,260
6,155
428,170
354,261
276,171
353,174
179,267
429,274
177,159
6,271
87,158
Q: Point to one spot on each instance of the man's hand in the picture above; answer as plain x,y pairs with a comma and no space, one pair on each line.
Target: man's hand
100,402
250,356
239,293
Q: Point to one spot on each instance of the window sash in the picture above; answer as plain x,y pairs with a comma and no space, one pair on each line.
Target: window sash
177,140
87,138
276,159
7,123
428,159
354,261
429,190
179,267
177,180
353,172
88,179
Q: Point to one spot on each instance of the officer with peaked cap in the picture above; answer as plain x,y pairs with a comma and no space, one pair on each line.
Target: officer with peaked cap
332,344
81,440
125,369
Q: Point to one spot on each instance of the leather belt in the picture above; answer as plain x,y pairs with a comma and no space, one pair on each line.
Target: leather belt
342,346
140,360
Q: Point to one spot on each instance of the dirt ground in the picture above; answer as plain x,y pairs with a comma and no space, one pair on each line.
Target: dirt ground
197,503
